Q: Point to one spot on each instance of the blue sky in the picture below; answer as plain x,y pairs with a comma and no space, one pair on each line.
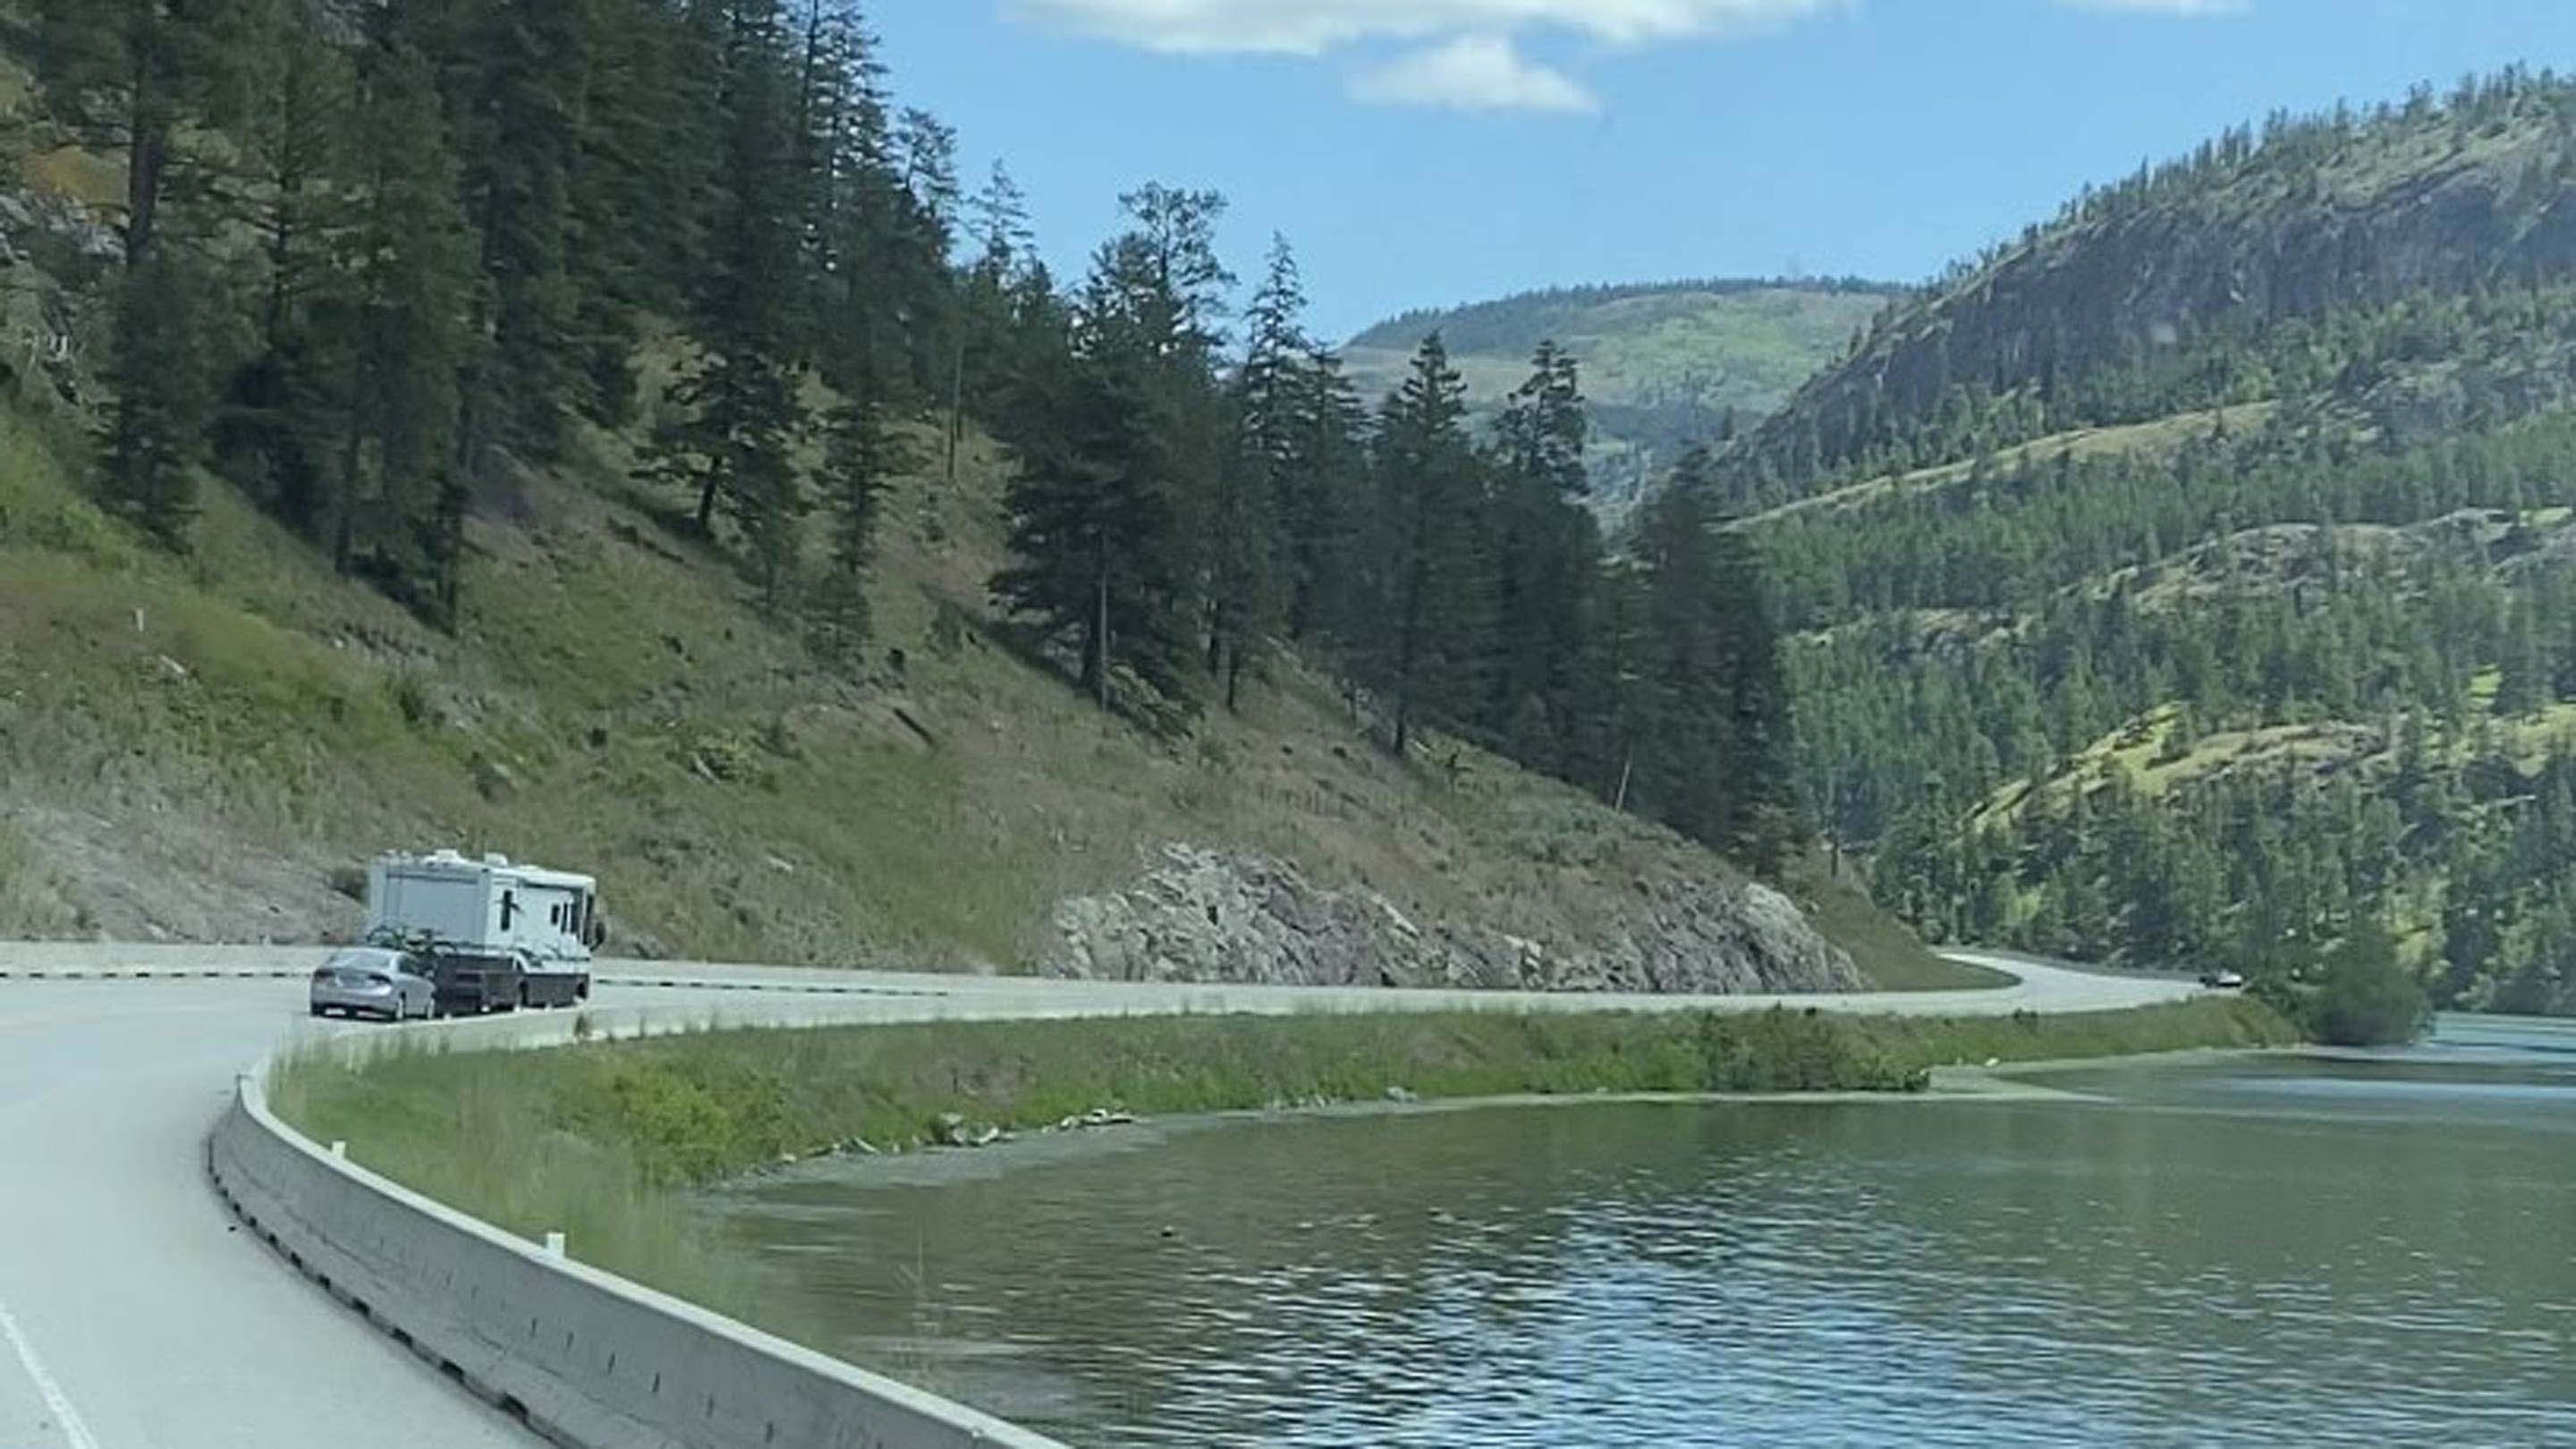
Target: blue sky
1424,152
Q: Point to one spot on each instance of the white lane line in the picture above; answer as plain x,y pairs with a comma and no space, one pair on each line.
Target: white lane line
57,1402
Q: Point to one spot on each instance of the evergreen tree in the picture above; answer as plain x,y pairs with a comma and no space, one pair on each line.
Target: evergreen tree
134,76
158,420
1247,594
1092,526
1422,651
1716,752
741,412
862,454
516,72
272,435
1327,506
1548,553
406,305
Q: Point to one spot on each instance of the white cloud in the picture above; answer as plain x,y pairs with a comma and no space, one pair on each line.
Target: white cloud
2164,7
1474,73
1311,27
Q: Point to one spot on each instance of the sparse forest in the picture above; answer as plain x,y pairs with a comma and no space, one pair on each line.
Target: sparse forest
2214,648
379,260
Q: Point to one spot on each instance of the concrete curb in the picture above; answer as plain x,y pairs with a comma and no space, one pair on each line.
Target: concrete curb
583,1357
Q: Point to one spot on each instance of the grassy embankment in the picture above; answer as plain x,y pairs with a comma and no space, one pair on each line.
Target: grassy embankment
602,1139
204,746
235,729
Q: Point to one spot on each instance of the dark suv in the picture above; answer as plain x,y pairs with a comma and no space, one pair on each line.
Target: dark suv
471,983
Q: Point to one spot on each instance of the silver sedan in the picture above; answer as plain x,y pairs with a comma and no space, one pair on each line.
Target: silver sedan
374,981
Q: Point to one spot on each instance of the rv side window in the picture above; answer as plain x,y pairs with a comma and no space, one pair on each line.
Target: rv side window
509,908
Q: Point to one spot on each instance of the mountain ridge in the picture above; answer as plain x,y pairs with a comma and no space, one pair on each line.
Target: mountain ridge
1666,365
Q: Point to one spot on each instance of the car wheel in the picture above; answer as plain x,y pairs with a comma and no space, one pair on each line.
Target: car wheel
318,1011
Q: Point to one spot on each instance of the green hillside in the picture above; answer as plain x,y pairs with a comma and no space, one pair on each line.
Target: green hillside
1663,365
356,507
2193,581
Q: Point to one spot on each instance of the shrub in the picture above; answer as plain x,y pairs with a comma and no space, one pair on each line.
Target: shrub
2369,998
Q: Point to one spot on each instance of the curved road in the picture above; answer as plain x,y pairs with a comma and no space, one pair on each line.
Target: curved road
132,1316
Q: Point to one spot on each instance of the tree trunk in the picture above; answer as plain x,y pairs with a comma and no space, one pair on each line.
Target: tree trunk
1099,650
956,411
147,158
707,506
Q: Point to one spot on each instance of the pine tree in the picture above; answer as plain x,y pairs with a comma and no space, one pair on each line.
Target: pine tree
1091,534
1423,651
134,76
1327,505
642,149
408,301
988,326
1716,754
862,454
1247,594
517,76
1547,556
156,428
272,436
741,415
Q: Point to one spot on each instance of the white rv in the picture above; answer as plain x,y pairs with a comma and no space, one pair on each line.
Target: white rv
543,921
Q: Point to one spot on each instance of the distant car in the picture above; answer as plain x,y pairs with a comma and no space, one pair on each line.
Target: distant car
374,981
2222,980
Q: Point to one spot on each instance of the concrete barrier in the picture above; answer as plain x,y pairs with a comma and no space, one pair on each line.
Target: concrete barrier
584,1357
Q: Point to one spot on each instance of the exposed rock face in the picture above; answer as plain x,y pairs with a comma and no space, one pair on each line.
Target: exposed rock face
2291,232
1205,915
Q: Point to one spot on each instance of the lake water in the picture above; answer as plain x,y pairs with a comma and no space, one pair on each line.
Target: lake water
2366,1251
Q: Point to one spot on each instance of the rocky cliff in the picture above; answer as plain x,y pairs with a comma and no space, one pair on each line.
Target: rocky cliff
1206,915
2314,215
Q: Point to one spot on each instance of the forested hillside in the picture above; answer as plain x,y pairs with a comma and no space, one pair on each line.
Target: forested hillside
1666,366
2190,581
611,431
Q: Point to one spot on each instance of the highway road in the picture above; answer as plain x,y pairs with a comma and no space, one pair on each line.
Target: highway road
133,1316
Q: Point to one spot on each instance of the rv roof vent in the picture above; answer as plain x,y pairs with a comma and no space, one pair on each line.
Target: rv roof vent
446,855
496,860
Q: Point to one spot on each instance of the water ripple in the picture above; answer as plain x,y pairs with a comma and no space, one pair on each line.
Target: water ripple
2207,1261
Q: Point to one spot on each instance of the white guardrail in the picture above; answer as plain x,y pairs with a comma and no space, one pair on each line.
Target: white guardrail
584,1357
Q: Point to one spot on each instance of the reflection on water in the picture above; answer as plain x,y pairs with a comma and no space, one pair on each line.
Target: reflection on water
2376,1249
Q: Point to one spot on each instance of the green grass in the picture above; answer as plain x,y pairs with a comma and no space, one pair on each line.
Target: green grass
1747,350
602,1140
616,701
1891,956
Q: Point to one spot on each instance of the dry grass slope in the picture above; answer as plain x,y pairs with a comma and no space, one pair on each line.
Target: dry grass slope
204,746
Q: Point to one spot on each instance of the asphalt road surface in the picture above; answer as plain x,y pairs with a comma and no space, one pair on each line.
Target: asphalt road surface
133,1316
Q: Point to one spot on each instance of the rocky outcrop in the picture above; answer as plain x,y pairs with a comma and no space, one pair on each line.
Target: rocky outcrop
2350,219
1210,915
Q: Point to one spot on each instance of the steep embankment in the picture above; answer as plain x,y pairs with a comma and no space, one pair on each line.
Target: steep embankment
204,747
1664,366
2136,293
2191,581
